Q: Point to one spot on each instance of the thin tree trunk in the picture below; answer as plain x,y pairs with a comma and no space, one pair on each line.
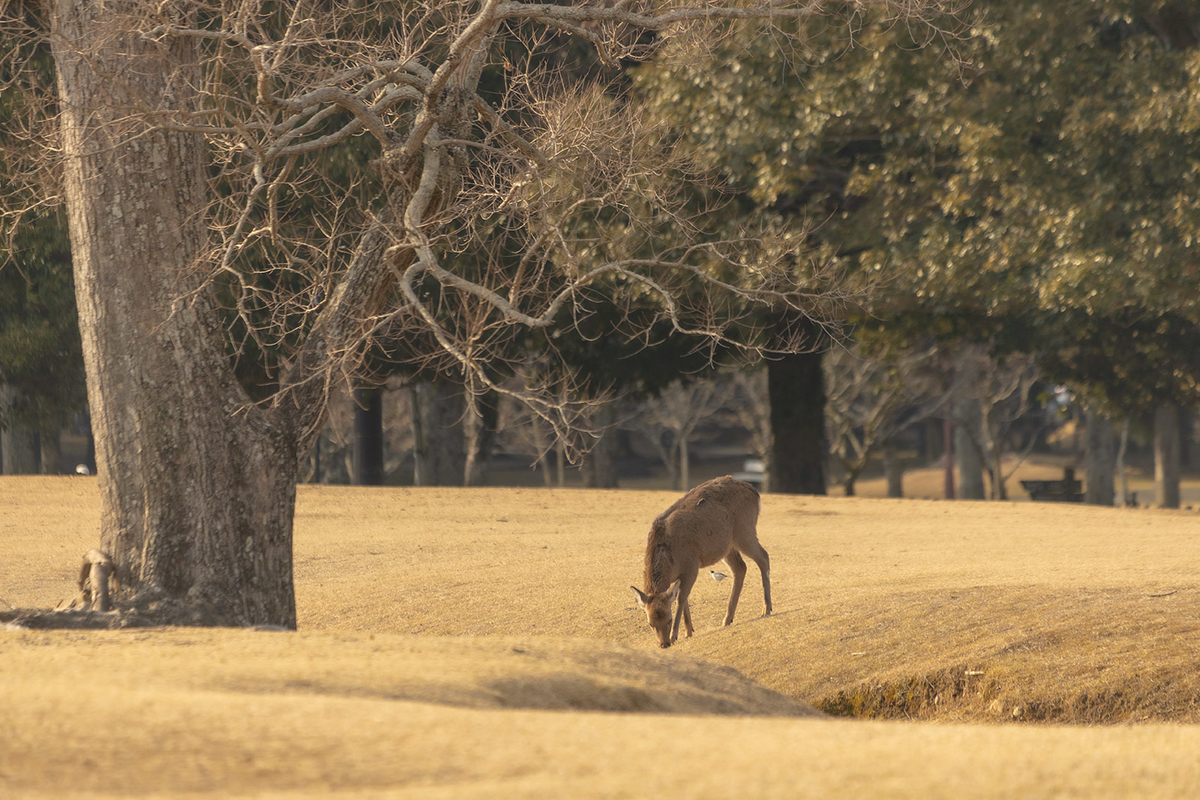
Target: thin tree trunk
893,469
601,472
685,464
1122,475
1166,456
1100,456
481,438
796,387
50,441
948,458
560,462
438,411
970,461
18,450
368,436
197,484
999,487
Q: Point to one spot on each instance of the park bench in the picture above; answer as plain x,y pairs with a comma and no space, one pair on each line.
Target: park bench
1067,490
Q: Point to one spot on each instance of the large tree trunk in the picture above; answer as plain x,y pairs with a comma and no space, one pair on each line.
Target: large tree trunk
368,436
796,388
1166,456
197,485
1101,460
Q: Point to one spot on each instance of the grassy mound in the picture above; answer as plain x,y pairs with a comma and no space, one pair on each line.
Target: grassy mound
895,609
480,673
471,643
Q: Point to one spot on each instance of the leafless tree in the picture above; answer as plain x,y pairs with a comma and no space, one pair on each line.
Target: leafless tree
873,396
669,421
751,406
1001,389
288,185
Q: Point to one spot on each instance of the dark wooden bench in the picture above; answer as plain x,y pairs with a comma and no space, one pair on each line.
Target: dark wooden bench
1067,490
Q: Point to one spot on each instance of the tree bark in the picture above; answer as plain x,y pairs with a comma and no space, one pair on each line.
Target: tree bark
197,485
796,388
1101,460
966,448
368,436
1166,456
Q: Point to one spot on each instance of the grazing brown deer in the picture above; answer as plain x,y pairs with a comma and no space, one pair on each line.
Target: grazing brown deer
714,521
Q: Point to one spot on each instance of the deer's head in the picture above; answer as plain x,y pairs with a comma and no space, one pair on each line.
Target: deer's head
657,606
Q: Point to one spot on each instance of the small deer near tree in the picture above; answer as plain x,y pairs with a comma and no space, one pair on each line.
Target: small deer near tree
714,521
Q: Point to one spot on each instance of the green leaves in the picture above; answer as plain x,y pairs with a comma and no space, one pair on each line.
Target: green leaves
1042,165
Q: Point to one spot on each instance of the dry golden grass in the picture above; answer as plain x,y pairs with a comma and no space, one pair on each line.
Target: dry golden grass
459,643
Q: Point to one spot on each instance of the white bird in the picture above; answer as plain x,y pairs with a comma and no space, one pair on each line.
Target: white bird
717,576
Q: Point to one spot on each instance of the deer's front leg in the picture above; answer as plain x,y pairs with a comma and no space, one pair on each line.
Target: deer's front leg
685,590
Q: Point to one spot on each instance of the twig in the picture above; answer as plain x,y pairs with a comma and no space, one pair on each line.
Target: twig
1164,594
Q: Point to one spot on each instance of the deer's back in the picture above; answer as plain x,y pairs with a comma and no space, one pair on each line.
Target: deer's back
707,521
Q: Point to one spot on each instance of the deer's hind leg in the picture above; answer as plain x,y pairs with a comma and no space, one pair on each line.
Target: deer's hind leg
758,554
738,566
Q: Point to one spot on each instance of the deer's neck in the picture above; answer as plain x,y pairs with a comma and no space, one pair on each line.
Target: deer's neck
660,566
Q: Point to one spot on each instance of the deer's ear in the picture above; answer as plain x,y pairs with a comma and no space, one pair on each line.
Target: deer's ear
673,592
642,599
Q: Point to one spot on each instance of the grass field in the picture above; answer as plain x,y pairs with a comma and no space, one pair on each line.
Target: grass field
484,642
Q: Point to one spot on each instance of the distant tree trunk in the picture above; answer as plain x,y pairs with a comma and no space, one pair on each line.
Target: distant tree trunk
1187,438
18,444
50,442
197,483
1166,456
368,436
893,469
438,410
18,448
601,466
1122,475
947,439
560,463
970,460
685,466
481,438
90,456
930,447
1101,458
796,387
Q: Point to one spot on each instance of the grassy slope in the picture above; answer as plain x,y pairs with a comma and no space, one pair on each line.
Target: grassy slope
942,611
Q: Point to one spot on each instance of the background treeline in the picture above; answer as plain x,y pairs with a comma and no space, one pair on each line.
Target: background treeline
1009,212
